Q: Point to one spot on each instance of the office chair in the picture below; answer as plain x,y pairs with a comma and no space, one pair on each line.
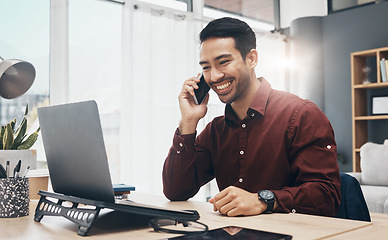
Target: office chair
353,205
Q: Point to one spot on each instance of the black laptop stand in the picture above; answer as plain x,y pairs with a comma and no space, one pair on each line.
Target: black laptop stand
51,204
84,217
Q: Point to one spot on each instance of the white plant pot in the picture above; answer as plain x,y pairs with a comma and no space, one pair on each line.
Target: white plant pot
28,158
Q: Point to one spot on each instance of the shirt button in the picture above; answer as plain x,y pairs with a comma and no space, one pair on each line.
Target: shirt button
181,144
328,146
241,152
243,125
178,152
252,114
293,210
240,180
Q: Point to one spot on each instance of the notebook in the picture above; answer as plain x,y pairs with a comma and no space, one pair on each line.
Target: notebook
77,161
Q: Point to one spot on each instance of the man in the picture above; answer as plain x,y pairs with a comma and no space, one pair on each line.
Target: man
270,152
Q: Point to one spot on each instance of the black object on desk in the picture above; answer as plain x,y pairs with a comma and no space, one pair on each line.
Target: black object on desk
16,170
14,197
3,173
7,169
233,232
85,217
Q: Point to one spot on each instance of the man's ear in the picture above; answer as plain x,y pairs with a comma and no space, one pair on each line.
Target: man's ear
252,58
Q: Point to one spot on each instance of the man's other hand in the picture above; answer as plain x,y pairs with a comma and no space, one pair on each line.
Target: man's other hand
234,201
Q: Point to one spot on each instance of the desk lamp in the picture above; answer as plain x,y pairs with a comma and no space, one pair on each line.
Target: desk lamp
16,77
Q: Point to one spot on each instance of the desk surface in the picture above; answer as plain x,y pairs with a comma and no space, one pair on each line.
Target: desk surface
114,225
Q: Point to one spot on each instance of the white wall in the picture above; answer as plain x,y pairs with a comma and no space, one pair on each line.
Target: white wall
293,9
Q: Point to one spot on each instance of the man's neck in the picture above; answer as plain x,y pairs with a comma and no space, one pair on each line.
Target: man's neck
240,107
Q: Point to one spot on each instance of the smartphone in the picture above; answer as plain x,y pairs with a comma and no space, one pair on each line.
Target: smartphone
203,89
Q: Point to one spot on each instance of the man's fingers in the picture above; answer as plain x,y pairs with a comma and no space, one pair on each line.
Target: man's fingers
221,194
192,82
234,201
219,200
233,212
222,199
189,85
227,208
189,89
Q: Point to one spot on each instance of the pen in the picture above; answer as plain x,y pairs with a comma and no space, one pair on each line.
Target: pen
3,173
25,172
7,169
16,170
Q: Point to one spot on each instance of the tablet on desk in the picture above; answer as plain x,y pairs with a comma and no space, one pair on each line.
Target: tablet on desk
233,232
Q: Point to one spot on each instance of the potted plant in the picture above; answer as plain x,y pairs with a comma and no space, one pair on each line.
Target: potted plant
15,143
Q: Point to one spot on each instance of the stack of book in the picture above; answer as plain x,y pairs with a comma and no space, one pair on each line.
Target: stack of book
384,68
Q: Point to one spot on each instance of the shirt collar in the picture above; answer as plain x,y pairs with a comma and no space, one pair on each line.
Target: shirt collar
258,104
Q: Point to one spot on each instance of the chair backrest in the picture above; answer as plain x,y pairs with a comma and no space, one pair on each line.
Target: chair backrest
353,205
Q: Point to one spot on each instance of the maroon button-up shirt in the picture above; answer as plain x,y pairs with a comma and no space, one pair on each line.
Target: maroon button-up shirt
285,144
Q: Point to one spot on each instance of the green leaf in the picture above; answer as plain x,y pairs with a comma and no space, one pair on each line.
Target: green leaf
20,133
13,123
12,138
26,111
1,136
27,144
8,137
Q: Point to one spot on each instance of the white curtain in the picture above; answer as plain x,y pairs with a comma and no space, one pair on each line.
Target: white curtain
163,55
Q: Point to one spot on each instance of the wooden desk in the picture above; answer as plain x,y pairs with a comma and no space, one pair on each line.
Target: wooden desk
114,225
379,229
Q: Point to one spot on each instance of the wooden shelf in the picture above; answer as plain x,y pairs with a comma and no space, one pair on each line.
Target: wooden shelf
374,117
371,85
359,63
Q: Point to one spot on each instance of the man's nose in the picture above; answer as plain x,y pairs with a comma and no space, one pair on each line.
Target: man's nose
216,74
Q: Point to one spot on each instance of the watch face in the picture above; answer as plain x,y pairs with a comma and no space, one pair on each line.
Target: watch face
266,194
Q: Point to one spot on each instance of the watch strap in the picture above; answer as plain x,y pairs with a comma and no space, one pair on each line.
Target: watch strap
270,205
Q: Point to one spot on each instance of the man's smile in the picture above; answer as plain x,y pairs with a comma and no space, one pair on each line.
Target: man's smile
222,87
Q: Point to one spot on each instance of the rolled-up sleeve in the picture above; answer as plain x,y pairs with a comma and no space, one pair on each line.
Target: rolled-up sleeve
313,161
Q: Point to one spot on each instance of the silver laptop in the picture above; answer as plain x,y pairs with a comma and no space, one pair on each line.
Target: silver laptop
77,160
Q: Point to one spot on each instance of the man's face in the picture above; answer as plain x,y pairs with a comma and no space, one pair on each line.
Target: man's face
224,68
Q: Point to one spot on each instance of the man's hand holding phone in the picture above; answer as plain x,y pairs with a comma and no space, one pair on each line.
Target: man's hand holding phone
202,91
190,111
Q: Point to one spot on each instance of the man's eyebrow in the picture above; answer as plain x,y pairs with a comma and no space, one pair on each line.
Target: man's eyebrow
223,56
216,58
203,62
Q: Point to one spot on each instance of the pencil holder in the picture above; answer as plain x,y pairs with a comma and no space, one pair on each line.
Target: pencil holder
14,197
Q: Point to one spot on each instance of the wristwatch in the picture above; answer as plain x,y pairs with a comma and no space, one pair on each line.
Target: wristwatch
268,197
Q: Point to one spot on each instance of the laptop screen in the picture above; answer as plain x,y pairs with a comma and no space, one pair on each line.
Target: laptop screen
75,150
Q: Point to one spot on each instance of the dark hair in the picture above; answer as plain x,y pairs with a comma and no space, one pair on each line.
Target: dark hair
244,37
